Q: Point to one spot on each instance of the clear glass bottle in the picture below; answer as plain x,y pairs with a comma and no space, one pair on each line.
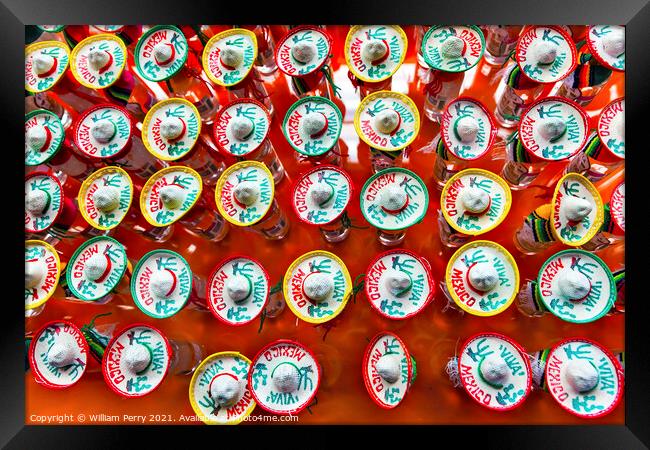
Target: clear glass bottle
449,236
206,222
252,87
274,225
441,87
500,42
519,169
517,94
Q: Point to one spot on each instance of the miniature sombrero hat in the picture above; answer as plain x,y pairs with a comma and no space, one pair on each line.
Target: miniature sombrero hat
44,199
584,377
105,197
104,131
98,61
468,129
495,371
219,391
399,284
373,53
171,128
284,377
160,53
42,270
453,48
482,277
241,127
611,128
238,290
229,56
576,286
577,212
394,199
312,125
615,211
45,64
474,201
58,354
303,51
244,193
317,286
545,54
553,129
51,28
388,370
161,283
607,44
96,268
136,360
169,194
321,195
387,120
109,28
44,135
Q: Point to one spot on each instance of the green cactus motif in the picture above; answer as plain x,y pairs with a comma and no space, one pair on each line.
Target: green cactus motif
484,185
240,367
314,107
563,308
248,214
553,111
314,147
505,396
236,314
392,308
554,152
583,403
250,175
304,381
477,256
317,216
556,39
481,351
138,385
489,303
378,107
165,306
458,64
532,70
403,265
584,268
86,288
581,352
260,375
320,310
401,137
107,219
306,36
444,34
617,146
411,189
324,265
391,395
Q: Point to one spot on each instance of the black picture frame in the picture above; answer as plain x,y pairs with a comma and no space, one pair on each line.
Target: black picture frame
634,14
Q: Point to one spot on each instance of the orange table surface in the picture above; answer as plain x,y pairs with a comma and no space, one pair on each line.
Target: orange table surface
431,336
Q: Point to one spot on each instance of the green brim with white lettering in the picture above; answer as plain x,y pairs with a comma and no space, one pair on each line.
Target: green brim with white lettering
96,268
402,180
161,283
600,287
146,63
